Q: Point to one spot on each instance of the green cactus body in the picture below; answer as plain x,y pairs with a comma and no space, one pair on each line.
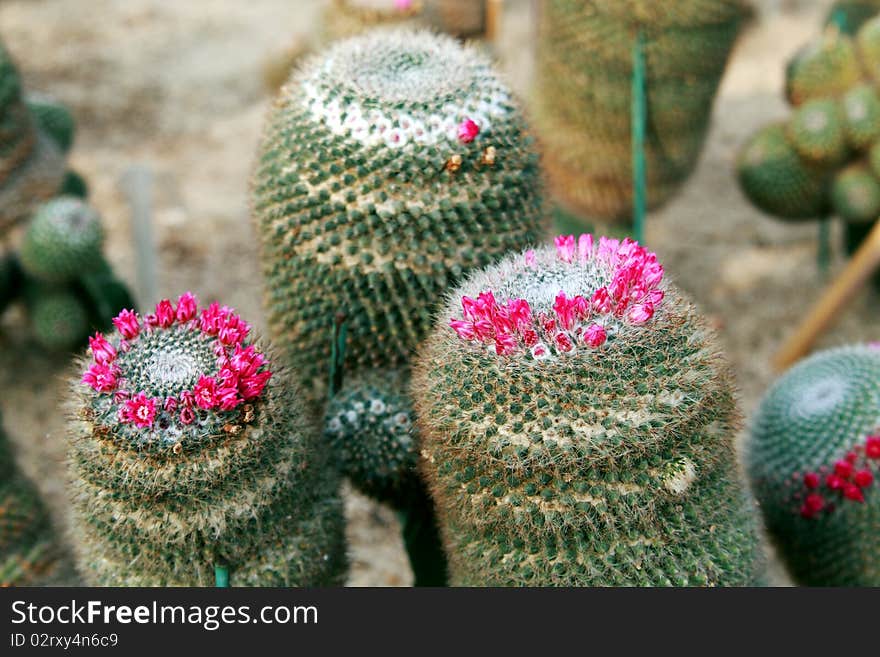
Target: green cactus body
850,15
814,461
26,547
583,99
827,67
861,114
9,279
777,181
63,240
577,427
31,165
390,165
855,194
189,453
816,130
369,425
54,119
868,45
74,185
59,319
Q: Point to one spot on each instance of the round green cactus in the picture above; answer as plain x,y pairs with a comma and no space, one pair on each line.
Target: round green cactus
190,453
390,165
59,319
31,165
868,45
64,239
826,67
855,194
369,425
814,461
861,114
777,181
26,546
74,185
577,427
54,119
816,130
583,101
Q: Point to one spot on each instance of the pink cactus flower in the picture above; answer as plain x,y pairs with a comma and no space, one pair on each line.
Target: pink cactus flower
252,386
211,320
563,342
187,415
641,313
127,323
467,131
170,404
585,247
530,259
601,301
187,306
101,377
595,335
505,344
205,392
140,410
463,328
565,247
102,350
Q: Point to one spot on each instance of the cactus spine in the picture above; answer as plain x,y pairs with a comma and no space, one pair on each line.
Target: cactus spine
577,427
189,452
814,461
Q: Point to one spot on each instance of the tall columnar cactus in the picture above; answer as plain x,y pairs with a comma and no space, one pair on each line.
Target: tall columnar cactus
577,425
27,550
814,461
583,99
31,164
390,165
190,450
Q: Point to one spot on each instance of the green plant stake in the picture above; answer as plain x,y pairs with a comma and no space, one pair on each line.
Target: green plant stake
221,577
639,119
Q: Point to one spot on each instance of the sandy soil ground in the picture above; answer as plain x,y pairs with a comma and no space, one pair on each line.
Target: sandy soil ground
177,88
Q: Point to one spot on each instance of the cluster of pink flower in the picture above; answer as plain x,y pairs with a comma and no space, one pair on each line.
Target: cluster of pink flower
240,377
847,480
632,295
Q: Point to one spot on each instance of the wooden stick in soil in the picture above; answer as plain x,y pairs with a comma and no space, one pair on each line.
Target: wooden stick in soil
841,291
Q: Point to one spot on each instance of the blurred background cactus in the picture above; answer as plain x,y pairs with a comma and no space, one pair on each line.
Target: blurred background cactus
820,162
577,424
27,548
31,162
583,95
814,461
62,277
190,451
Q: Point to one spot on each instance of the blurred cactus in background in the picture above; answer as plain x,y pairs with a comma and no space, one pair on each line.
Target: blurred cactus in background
825,159
27,549
814,462
31,162
583,96
577,424
190,450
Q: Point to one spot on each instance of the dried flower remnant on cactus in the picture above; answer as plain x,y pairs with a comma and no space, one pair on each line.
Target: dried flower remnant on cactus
177,373
617,283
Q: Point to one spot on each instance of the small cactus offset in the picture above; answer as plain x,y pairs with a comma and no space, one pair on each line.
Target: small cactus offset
190,449
59,319
63,240
31,163
27,550
369,425
54,119
391,164
814,463
577,424
584,101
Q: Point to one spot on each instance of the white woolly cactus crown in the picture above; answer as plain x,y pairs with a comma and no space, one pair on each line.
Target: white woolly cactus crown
403,88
